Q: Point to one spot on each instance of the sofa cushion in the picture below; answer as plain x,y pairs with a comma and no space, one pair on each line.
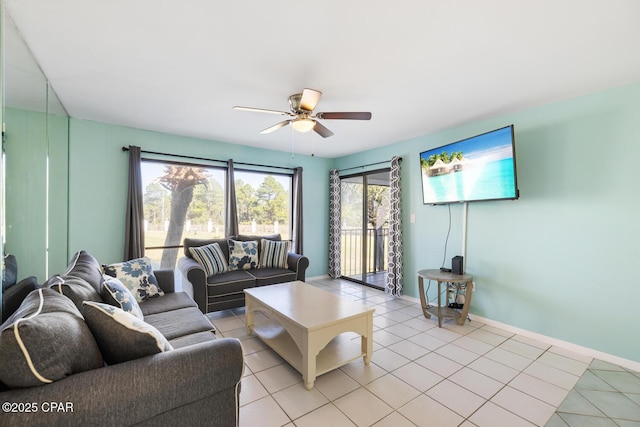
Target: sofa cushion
13,296
231,281
192,339
118,295
247,237
120,335
243,255
190,243
137,275
274,254
85,266
270,276
181,322
211,258
45,340
171,301
75,288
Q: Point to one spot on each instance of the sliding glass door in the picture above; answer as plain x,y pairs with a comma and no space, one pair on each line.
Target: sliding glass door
365,227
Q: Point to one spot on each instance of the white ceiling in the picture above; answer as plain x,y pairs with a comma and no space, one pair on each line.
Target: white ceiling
419,66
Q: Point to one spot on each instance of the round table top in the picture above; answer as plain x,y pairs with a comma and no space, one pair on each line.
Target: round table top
443,276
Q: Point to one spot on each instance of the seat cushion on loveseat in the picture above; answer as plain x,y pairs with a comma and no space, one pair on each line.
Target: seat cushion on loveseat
231,282
190,321
270,276
188,340
189,243
167,302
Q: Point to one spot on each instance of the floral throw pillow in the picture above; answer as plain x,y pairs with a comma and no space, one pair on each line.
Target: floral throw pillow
243,255
115,293
137,276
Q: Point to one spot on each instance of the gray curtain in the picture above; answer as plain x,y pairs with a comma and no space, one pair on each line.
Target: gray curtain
134,222
334,224
394,263
297,211
230,205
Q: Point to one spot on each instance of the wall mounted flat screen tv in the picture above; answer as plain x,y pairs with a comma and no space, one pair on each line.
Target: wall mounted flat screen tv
482,167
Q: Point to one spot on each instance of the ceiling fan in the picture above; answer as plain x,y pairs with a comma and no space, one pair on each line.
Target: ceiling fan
303,119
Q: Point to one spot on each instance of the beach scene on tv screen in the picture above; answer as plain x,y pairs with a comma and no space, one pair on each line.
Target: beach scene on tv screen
478,168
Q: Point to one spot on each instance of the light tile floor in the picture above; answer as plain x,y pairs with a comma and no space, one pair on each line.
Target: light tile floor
421,375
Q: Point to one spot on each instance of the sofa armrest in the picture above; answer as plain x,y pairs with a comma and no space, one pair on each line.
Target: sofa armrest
13,296
299,264
199,383
166,280
193,273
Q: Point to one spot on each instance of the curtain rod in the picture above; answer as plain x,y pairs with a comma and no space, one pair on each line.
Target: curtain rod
209,160
370,164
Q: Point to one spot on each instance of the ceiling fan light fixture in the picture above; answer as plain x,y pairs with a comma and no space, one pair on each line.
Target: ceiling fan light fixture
303,125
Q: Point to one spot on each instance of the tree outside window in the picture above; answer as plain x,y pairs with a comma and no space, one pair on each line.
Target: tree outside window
188,201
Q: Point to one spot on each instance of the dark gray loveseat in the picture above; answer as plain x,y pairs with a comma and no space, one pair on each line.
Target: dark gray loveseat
195,383
226,290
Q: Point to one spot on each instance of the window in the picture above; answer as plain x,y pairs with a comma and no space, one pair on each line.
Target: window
264,203
182,200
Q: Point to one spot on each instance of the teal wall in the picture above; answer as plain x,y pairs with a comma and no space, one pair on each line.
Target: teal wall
560,260
98,185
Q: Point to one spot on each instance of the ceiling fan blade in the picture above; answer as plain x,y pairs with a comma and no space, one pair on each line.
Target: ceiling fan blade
344,116
322,130
276,127
310,98
262,110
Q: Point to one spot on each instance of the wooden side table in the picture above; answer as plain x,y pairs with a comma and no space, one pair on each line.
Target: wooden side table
446,278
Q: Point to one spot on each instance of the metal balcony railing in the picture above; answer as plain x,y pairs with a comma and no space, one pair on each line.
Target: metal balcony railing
352,247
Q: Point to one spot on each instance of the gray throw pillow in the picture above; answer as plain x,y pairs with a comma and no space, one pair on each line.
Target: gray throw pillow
75,288
45,340
85,266
120,335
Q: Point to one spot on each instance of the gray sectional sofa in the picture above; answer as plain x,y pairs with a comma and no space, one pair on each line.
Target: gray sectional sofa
193,380
226,290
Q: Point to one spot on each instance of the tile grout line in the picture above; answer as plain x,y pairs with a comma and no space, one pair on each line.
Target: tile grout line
390,308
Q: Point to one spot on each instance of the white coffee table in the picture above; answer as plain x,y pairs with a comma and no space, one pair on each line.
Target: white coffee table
303,324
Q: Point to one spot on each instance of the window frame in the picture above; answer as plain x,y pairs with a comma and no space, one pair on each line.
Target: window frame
204,164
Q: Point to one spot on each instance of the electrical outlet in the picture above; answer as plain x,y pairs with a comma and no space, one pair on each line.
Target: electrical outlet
473,286
412,218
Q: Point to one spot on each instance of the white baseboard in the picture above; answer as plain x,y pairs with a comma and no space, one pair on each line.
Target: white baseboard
324,276
585,351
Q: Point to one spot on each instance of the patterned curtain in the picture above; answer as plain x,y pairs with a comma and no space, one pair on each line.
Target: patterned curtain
334,224
394,264
297,211
134,222
230,206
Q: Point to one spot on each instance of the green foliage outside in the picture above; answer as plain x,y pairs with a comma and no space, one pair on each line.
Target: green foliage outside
265,205
195,208
444,156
